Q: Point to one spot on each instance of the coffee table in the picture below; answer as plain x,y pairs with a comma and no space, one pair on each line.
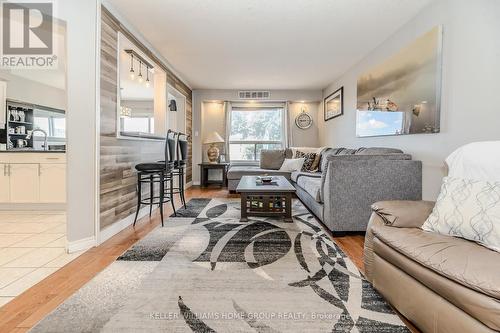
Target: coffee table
265,199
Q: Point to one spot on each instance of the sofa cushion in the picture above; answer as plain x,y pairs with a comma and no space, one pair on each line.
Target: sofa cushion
296,174
311,185
462,261
271,159
483,308
238,171
377,151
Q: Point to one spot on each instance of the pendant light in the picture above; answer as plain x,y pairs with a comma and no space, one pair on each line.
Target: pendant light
132,74
140,71
147,76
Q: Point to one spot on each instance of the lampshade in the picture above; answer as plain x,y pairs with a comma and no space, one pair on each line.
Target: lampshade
214,137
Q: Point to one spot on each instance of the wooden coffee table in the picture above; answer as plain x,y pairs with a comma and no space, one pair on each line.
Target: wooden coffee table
266,199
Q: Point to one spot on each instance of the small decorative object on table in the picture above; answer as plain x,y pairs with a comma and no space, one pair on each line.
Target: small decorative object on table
264,180
222,158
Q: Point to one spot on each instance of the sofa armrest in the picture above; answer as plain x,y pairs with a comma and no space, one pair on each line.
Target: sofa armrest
351,185
368,252
403,213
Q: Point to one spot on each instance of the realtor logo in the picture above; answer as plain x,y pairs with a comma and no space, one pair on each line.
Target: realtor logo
27,34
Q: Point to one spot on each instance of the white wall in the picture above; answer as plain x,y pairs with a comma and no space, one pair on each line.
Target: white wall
304,137
24,90
470,90
83,25
209,116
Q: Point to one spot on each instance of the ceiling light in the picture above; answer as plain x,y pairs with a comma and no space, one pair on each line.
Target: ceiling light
125,112
132,74
147,76
140,71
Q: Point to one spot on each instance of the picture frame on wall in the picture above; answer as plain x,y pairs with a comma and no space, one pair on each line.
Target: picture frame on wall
334,104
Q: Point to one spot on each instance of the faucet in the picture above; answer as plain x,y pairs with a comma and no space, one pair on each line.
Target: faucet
45,144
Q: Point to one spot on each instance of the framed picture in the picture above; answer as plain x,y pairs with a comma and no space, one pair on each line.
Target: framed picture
334,104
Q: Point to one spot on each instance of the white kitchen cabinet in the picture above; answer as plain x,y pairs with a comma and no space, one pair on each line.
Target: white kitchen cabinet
52,183
4,183
3,103
24,183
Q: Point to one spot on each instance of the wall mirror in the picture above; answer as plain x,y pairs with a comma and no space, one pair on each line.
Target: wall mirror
402,94
142,94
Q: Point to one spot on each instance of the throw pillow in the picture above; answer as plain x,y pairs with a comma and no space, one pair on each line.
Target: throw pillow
309,159
468,209
271,159
292,164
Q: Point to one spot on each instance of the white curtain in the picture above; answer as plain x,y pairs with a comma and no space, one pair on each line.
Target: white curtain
287,127
227,113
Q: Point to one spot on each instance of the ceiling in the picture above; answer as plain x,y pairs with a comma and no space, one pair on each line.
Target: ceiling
265,44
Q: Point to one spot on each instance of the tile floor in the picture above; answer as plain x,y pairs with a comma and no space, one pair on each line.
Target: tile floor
32,246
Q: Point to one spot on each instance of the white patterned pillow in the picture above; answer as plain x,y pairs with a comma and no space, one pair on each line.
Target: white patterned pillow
468,209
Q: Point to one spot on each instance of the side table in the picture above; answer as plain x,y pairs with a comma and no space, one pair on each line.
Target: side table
204,167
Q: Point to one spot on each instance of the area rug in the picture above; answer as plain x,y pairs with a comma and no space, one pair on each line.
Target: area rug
207,272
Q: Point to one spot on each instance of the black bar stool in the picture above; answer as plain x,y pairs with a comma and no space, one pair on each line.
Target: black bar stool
180,164
152,173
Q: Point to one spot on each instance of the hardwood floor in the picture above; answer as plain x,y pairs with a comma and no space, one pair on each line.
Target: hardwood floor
27,309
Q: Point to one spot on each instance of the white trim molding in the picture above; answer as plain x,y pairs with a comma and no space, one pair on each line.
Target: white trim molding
81,244
116,227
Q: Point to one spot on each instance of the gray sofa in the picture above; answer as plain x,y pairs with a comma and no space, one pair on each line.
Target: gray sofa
347,183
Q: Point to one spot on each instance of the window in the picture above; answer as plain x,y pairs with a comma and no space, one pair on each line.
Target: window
138,124
254,129
52,122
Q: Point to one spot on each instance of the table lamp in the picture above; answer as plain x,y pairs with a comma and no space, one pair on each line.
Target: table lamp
213,151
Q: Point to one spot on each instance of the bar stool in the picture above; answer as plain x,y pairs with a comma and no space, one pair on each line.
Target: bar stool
180,164
152,173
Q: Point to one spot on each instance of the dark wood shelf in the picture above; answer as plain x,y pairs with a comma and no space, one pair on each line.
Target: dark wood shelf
20,122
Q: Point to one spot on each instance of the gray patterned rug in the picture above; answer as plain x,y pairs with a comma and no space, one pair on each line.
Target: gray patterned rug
207,272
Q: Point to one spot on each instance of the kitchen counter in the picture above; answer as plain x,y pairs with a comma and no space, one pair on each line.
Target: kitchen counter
32,151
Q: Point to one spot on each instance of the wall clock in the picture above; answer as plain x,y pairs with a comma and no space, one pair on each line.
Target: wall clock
303,120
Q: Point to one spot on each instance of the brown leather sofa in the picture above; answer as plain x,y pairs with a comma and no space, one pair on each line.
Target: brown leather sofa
439,283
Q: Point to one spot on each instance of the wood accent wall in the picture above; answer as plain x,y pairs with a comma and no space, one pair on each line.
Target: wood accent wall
117,156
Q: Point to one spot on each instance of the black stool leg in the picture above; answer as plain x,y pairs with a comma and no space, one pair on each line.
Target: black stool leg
139,197
151,194
181,187
172,193
162,194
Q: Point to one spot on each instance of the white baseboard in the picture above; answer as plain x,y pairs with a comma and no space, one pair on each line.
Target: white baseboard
188,185
81,244
116,227
196,183
33,206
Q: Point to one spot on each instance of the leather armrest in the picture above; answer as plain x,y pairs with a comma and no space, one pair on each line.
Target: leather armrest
403,213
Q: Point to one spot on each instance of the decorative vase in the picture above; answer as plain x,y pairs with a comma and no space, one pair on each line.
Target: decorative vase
213,154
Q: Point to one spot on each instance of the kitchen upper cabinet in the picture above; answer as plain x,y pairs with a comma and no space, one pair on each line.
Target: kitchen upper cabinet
53,183
24,183
4,183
